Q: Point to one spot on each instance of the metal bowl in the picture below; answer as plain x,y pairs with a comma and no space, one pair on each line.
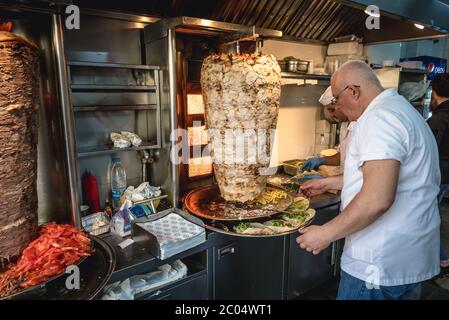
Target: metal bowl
303,66
292,64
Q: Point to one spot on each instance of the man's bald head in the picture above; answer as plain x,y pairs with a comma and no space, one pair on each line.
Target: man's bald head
355,72
354,86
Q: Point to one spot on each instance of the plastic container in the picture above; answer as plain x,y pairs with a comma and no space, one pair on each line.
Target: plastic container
323,139
291,167
84,210
96,224
118,182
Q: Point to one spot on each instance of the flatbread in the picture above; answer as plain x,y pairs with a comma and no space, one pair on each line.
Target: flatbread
287,226
299,204
256,229
305,217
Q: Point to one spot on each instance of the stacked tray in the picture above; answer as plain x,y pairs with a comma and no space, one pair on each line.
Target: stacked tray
247,220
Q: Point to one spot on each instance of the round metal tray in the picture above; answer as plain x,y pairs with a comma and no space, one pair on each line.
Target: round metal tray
219,226
95,271
207,203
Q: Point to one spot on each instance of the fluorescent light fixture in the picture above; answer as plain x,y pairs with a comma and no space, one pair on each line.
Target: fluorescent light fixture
419,26
372,13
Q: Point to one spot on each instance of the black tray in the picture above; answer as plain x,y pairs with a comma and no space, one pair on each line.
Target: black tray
95,271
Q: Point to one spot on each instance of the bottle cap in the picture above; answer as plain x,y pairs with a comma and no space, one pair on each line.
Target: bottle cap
116,159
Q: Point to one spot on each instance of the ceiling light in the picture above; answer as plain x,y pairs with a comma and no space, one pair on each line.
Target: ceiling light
419,26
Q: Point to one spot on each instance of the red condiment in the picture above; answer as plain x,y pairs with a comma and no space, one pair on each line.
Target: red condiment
90,192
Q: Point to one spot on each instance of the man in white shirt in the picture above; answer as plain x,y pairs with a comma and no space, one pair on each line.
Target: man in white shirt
389,188
330,112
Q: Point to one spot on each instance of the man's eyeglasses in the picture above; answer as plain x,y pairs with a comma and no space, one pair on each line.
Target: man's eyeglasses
335,98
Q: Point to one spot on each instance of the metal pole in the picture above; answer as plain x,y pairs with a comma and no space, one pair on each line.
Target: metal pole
173,111
67,118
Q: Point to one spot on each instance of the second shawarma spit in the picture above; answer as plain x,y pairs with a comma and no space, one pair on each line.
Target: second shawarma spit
19,94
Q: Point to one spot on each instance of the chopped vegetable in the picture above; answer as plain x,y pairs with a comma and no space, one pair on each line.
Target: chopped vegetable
299,217
300,205
291,187
57,247
277,223
241,227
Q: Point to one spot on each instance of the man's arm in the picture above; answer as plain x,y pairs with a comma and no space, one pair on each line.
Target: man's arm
332,160
319,186
380,179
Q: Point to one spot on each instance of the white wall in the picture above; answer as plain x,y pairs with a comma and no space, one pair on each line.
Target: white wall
296,122
282,49
380,52
436,48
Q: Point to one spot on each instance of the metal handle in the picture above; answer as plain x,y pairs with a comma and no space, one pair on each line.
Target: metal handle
223,252
158,292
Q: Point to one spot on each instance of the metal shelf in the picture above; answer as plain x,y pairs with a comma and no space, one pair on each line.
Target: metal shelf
406,70
111,65
420,71
305,76
92,87
103,150
115,108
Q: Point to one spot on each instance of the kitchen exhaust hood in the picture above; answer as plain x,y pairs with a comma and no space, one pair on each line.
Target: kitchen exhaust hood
309,21
398,19
430,13
197,26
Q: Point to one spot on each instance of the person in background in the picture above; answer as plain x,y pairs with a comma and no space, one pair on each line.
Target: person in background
389,211
439,123
339,158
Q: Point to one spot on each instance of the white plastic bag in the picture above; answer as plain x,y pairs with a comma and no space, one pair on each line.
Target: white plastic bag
119,141
413,91
133,138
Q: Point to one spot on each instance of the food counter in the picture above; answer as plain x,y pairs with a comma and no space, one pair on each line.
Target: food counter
216,263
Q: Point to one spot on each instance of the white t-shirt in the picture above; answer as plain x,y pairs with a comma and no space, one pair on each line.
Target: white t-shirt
345,139
402,246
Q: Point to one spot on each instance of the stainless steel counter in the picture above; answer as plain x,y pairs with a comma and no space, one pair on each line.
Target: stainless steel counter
136,259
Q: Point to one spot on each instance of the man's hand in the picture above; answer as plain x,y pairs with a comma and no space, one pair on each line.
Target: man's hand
310,177
312,164
314,239
319,186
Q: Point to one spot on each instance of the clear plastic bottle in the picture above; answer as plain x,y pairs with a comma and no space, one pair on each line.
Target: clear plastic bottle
427,112
118,182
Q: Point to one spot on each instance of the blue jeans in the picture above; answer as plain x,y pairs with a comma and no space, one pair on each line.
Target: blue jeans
352,288
443,189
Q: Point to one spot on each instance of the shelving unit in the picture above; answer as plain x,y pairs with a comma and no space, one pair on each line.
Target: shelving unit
97,151
111,65
84,152
305,76
394,77
115,108
92,87
113,97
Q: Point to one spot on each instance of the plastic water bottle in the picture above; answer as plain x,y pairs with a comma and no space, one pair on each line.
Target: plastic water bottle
427,112
118,182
